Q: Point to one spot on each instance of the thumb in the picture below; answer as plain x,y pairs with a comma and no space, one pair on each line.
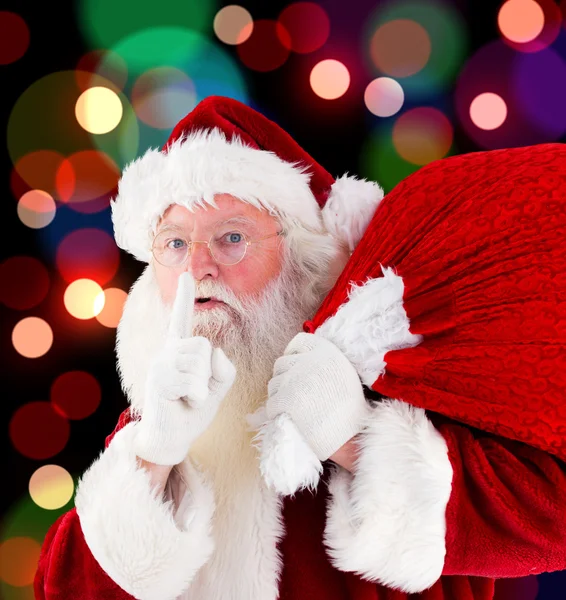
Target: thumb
223,372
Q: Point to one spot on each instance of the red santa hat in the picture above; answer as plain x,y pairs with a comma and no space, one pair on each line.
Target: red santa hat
225,147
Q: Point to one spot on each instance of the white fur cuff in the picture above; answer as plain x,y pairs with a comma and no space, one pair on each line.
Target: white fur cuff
387,522
286,461
372,323
136,538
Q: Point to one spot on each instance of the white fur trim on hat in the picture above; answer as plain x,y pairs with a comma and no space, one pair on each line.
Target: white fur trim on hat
350,207
387,522
203,164
195,169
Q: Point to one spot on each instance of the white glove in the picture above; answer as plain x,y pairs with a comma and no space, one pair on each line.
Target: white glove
186,382
317,386
315,405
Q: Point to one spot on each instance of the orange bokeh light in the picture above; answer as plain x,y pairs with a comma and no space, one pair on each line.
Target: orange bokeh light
18,560
330,79
400,48
32,337
86,180
233,24
36,170
114,300
82,299
520,21
36,209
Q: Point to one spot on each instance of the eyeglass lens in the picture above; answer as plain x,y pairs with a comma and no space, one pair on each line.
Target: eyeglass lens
226,246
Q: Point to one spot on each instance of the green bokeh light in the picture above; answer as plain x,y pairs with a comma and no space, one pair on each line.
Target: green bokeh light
380,162
8,592
123,143
449,43
209,67
26,519
202,60
104,23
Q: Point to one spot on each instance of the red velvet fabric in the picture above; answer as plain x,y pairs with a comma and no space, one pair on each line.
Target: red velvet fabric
506,518
480,241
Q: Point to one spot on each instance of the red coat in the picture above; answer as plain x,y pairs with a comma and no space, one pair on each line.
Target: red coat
506,518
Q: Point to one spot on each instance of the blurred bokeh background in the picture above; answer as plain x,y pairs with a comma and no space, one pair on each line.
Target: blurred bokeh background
366,86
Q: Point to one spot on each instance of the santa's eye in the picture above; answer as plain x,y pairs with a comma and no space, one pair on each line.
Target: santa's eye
233,237
176,244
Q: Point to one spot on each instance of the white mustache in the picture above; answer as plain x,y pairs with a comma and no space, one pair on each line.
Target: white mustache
209,290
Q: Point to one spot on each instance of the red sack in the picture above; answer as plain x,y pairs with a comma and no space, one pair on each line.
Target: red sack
477,249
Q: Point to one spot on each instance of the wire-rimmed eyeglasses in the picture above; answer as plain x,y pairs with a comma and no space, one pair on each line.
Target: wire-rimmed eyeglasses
225,247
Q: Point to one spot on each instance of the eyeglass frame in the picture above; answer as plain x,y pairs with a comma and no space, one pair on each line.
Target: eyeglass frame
191,242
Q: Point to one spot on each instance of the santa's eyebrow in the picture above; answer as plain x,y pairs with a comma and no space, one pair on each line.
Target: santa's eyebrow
237,220
241,220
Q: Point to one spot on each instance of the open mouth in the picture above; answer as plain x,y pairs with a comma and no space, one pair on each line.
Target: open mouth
207,300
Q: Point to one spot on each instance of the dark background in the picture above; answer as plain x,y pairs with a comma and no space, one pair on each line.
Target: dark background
332,131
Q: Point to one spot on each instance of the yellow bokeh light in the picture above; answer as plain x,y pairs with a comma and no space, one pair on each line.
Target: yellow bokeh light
18,560
99,303
422,135
521,21
32,337
99,110
113,305
330,79
36,209
233,24
51,487
488,111
83,300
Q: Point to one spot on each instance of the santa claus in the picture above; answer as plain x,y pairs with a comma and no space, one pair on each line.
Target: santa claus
343,493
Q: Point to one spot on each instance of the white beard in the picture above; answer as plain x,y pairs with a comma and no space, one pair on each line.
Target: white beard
253,333
246,522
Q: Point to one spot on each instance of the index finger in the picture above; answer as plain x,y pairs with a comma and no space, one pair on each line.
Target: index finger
181,324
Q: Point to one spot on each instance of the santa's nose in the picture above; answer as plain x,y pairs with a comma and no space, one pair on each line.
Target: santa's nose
201,263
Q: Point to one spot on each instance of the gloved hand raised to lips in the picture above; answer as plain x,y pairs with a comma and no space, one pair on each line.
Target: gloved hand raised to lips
187,380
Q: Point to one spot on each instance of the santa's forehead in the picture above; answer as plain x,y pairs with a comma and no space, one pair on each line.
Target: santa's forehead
226,209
